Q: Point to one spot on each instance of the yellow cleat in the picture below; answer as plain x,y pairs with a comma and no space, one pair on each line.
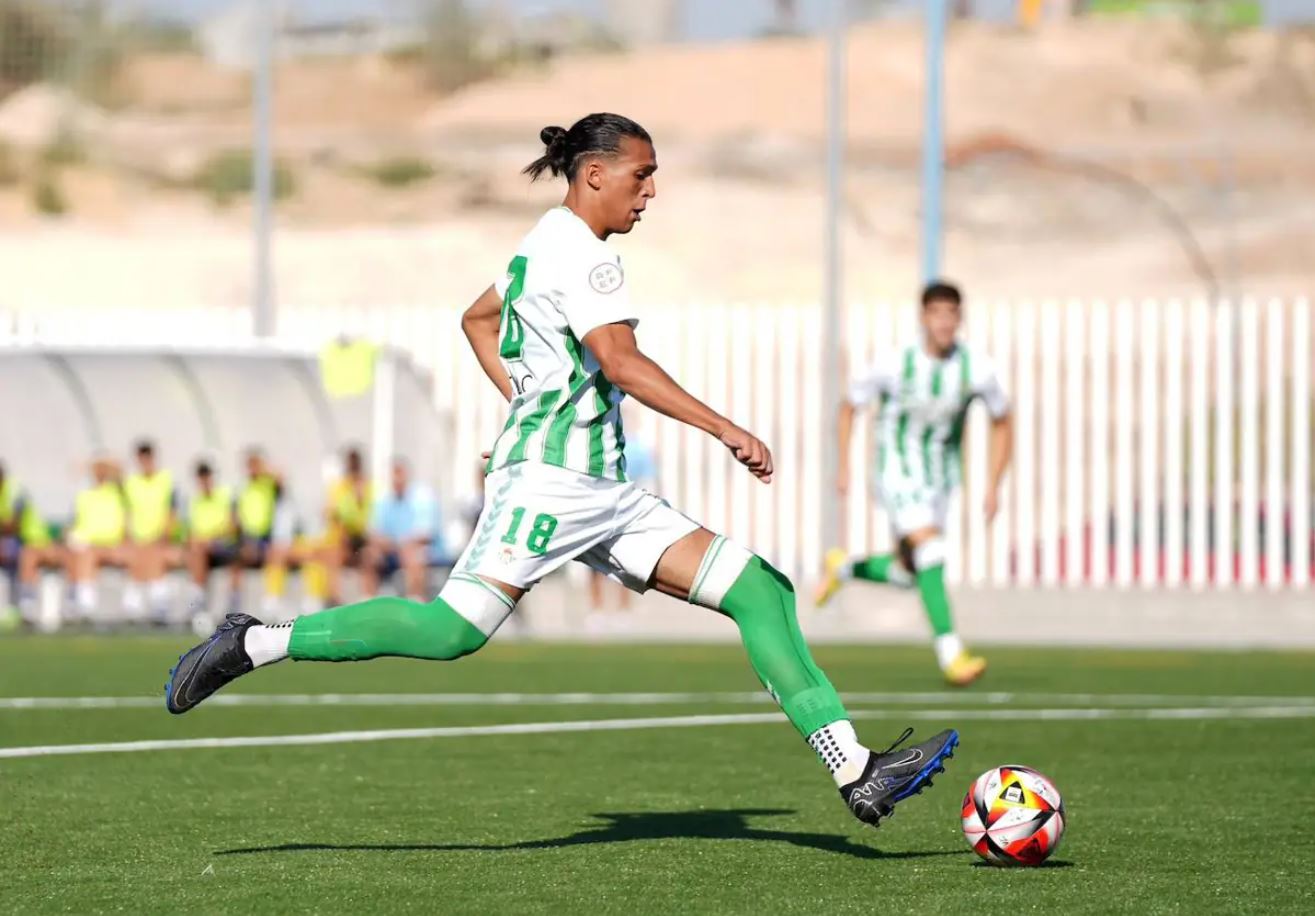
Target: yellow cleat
832,564
965,669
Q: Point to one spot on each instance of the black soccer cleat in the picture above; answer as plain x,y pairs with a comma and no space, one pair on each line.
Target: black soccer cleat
205,668
893,775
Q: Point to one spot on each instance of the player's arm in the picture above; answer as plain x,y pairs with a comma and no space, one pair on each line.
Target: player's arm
1001,447
12,527
171,518
618,355
862,388
1001,451
480,324
844,436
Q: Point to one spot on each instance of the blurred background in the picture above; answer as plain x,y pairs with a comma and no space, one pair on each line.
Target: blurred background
233,225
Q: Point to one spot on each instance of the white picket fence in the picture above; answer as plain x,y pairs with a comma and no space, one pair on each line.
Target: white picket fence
1158,444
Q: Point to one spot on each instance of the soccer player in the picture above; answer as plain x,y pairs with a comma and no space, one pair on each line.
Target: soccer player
556,336
923,393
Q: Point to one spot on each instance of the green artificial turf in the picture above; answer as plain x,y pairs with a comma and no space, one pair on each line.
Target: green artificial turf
1187,814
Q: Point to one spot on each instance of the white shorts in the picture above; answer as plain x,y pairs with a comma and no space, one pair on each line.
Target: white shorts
911,505
536,517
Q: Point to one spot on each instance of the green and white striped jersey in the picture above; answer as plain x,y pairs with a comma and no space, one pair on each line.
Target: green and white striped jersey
563,282
923,404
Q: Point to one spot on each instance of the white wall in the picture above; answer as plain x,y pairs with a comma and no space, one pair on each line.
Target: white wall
1121,408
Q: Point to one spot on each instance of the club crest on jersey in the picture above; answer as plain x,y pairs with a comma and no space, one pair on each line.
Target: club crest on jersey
606,278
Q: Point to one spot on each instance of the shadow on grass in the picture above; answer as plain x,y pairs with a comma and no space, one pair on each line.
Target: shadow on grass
631,827
1049,863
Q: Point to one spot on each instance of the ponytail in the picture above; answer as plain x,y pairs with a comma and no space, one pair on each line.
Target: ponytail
555,159
592,135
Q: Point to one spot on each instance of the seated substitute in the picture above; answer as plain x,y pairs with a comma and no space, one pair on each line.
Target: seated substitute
152,501
404,526
211,529
98,535
347,514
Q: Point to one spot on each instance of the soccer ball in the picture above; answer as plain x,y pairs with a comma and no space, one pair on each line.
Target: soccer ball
1012,815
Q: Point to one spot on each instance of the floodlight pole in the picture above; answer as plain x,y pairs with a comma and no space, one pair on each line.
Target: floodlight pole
933,141
833,282
262,168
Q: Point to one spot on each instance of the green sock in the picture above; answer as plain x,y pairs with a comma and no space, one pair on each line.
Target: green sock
382,627
882,567
931,585
762,604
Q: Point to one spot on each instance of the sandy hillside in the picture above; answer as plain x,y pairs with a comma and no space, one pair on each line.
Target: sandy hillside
1143,172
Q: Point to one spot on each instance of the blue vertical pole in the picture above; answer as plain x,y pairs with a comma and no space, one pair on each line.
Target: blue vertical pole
933,141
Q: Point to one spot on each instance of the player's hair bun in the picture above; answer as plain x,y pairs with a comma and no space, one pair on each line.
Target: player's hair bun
556,158
553,137
596,133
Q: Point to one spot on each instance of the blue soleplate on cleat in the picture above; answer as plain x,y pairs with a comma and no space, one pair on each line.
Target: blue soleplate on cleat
168,685
923,779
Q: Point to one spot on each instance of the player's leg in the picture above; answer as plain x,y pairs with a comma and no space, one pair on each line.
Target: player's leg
82,567
10,554
839,567
155,561
456,623
273,558
333,556
410,558
659,547
198,564
716,573
134,593
925,548
30,561
471,606
372,562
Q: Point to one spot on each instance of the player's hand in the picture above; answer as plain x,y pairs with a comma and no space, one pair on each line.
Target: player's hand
749,451
992,504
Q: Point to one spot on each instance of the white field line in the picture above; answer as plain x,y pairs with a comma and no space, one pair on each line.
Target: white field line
654,699
595,725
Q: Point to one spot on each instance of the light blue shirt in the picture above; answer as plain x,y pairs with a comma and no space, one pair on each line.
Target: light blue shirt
412,515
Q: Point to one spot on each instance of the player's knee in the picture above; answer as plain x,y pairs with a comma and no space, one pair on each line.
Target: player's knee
473,610
734,580
450,637
928,554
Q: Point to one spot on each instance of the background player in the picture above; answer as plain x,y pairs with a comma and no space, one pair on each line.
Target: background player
923,393
556,336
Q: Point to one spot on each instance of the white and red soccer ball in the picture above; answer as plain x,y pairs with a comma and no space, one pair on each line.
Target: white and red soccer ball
1012,815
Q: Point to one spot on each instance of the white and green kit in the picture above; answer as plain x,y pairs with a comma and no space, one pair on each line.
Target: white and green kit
923,404
563,282
556,489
